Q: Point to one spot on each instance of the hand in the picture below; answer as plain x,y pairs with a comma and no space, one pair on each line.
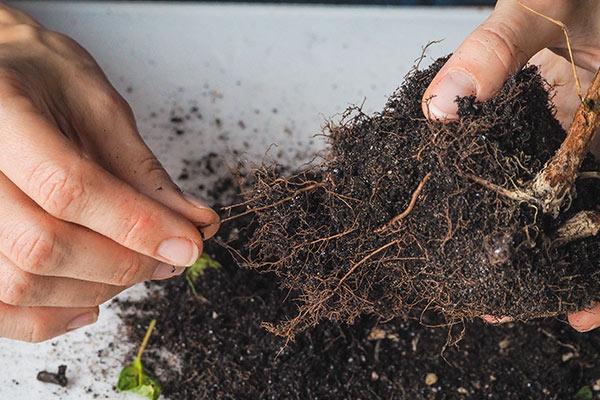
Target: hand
502,45
86,210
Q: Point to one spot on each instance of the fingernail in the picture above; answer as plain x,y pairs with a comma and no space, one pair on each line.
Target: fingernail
166,271
211,222
583,328
443,101
196,202
82,320
179,251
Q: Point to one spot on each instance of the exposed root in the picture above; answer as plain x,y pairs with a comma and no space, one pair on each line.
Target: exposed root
408,210
405,215
553,185
589,175
364,260
277,203
583,225
516,195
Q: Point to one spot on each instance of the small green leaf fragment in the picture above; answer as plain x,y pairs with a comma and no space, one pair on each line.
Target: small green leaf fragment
585,393
149,388
197,269
128,378
133,378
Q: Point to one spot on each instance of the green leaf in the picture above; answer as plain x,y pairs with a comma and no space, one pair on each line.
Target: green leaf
585,393
195,271
133,378
128,378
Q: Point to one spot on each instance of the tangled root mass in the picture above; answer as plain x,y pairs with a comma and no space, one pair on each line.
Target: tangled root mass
396,220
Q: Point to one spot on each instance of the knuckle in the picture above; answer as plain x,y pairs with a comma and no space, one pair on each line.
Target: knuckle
137,227
12,16
501,41
28,33
34,250
14,289
60,38
61,190
130,273
6,16
150,165
113,103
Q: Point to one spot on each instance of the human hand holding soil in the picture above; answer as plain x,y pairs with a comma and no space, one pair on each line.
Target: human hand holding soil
86,210
511,37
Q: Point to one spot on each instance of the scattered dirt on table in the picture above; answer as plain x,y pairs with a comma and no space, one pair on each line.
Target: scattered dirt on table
223,352
394,221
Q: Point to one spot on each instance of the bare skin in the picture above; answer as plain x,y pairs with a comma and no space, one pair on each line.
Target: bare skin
510,38
86,210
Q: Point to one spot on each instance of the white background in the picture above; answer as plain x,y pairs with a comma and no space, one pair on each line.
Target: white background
282,70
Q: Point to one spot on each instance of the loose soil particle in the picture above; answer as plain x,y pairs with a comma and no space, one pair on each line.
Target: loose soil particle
57,378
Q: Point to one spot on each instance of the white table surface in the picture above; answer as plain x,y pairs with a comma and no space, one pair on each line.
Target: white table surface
282,70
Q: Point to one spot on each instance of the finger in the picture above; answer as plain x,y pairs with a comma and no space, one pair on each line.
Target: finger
585,320
490,319
72,188
23,289
37,324
499,47
11,16
39,244
129,158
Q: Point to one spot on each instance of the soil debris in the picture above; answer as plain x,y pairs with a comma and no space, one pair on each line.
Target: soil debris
56,378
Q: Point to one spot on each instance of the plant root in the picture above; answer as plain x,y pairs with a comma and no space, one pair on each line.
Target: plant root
408,210
584,224
555,182
516,195
406,215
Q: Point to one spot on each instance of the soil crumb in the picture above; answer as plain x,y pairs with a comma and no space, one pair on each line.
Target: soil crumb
56,378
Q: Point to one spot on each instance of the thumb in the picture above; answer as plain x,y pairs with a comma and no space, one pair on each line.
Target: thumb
499,47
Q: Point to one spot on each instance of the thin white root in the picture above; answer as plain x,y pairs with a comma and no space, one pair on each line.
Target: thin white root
589,175
583,225
517,195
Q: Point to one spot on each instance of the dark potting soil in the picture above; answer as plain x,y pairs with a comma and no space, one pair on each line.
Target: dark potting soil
213,345
395,219
224,353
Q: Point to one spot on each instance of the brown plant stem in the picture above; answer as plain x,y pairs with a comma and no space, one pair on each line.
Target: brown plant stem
554,183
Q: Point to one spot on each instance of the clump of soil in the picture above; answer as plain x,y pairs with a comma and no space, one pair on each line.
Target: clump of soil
222,352
57,378
405,215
